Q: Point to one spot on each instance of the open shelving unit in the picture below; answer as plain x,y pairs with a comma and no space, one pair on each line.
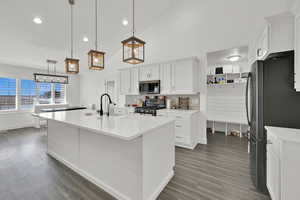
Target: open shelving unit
225,104
241,77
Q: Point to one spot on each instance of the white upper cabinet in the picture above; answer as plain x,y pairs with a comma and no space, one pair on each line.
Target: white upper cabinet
297,53
263,44
184,77
134,81
165,78
125,81
277,36
129,81
176,78
149,73
179,77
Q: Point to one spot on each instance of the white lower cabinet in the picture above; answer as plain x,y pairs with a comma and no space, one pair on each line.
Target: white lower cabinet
283,163
297,53
186,123
273,175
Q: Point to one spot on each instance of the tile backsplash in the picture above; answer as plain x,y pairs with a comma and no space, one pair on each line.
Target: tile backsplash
194,100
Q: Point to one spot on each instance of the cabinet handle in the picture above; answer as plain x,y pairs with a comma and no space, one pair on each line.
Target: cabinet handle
259,51
179,137
178,117
178,126
269,142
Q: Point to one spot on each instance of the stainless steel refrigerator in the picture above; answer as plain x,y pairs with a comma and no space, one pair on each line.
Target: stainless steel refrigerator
271,100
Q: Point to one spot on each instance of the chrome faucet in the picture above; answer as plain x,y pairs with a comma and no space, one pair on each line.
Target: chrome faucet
101,107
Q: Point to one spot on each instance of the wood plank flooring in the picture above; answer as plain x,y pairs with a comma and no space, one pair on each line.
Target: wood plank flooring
217,171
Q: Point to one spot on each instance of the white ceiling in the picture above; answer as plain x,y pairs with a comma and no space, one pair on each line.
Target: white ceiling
220,57
24,43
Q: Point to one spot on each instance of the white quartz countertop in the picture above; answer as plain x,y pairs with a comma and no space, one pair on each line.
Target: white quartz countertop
287,134
127,127
179,111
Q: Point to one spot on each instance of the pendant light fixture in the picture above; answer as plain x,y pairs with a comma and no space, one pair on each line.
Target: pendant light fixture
72,64
96,58
50,77
133,47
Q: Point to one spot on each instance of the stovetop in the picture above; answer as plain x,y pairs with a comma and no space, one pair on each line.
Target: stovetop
147,110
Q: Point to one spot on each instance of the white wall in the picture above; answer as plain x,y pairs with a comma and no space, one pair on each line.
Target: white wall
19,119
191,28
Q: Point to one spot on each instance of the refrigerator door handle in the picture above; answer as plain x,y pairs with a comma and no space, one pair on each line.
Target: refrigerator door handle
246,100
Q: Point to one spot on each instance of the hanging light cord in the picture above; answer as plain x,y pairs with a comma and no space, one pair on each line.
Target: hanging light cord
48,67
133,26
72,36
96,24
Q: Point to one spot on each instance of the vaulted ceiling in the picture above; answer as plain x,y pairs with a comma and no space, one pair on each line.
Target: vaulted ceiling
24,43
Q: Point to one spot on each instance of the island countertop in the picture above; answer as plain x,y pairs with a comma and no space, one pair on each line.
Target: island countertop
127,127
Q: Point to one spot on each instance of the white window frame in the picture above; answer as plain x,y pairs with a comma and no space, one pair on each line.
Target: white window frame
18,96
16,100
52,101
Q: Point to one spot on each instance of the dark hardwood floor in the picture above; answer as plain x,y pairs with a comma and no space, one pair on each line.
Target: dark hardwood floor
217,171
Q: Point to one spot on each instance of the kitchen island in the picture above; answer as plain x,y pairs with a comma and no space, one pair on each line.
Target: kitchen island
131,157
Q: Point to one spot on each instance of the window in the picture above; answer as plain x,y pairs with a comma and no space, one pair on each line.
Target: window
7,94
28,94
22,94
59,93
45,93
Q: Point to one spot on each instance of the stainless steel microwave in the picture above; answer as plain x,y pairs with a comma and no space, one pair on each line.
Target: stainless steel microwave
149,87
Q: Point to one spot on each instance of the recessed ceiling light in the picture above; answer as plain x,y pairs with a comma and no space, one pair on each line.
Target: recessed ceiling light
125,22
234,58
85,39
37,20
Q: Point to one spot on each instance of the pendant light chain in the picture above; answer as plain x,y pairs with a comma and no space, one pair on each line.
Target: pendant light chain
72,29
133,25
96,24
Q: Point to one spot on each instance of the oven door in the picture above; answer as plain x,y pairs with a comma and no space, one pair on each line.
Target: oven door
149,87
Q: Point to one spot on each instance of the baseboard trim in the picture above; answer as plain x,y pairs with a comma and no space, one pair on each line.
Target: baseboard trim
87,176
186,146
202,140
161,187
18,127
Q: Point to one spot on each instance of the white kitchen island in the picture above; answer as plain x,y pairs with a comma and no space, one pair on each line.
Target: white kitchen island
131,157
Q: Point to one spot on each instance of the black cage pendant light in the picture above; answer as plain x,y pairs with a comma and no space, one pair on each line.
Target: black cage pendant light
72,64
96,58
50,77
133,47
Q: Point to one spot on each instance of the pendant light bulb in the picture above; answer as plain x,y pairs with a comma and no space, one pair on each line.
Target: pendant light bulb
72,64
95,57
133,47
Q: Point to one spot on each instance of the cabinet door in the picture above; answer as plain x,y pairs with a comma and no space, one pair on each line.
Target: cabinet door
165,78
144,73
125,82
273,175
182,128
183,77
154,72
134,81
263,44
297,53
149,73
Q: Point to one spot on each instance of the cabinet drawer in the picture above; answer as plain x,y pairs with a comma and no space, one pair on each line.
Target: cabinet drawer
180,139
